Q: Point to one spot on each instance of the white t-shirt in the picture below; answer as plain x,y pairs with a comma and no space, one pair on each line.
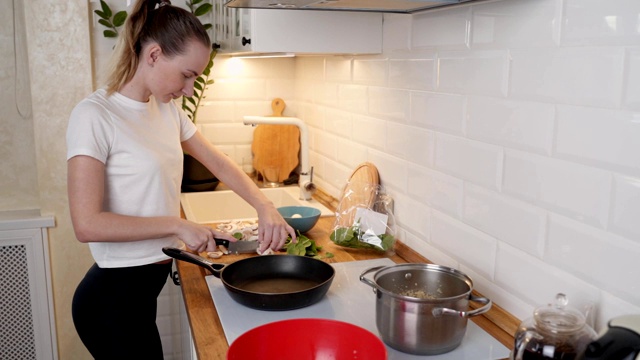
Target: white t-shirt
139,143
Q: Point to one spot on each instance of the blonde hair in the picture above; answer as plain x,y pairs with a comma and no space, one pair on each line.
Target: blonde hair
152,21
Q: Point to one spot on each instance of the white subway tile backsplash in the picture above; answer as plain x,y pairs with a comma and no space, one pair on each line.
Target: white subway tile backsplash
351,153
470,160
438,190
338,69
409,143
514,222
588,76
233,133
411,214
352,98
515,24
443,112
578,191
325,144
626,207
238,89
413,74
485,121
392,171
600,137
590,254
390,104
473,72
472,247
420,243
610,307
337,122
215,112
369,131
442,29
539,282
631,98
517,124
595,22
370,71
309,68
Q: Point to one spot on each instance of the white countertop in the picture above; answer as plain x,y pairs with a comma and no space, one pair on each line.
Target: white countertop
351,301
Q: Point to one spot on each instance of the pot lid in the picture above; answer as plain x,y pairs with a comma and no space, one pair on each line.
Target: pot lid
559,317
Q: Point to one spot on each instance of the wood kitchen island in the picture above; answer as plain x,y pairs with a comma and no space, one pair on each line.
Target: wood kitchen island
206,328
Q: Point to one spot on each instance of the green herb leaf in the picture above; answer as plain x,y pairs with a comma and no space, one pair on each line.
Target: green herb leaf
105,9
110,34
203,9
119,18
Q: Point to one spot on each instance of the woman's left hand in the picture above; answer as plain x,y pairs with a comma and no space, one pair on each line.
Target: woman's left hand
272,229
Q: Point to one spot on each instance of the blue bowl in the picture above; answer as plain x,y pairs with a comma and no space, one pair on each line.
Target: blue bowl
301,218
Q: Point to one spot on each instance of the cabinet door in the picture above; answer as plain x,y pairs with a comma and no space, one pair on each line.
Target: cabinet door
300,31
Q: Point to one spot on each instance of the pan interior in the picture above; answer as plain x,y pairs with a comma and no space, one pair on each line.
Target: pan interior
277,274
277,285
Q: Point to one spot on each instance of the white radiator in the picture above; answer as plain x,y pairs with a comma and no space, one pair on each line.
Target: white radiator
27,325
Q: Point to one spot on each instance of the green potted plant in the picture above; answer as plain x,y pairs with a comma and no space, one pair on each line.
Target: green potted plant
196,177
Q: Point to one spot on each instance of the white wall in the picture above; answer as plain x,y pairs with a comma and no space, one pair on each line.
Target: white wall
507,133
18,175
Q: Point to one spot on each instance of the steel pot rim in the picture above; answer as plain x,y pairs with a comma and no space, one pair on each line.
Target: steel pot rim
382,270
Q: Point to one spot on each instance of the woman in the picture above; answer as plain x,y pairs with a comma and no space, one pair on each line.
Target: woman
125,146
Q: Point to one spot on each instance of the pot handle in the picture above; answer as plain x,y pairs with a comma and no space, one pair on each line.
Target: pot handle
369,281
437,312
178,254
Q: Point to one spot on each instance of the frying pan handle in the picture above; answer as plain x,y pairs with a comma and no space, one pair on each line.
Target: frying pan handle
369,281
215,269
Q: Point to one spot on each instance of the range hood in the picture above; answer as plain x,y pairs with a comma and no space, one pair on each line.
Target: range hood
390,6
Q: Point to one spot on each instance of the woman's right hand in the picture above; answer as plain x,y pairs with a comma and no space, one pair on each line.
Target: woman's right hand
200,238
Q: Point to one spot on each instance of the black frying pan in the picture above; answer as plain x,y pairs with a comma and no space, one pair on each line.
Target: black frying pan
268,282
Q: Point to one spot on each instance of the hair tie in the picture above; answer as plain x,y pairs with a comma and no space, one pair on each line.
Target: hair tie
164,2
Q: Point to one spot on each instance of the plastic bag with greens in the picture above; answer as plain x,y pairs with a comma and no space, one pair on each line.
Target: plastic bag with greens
365,223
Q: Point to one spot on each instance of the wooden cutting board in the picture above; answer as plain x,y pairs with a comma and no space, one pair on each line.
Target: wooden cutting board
276,145
360,191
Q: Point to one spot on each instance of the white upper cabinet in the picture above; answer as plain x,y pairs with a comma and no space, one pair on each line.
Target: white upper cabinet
259,31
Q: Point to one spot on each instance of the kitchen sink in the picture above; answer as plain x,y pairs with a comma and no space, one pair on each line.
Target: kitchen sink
225,205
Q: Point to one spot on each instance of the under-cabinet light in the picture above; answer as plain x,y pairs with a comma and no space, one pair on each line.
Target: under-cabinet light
264,55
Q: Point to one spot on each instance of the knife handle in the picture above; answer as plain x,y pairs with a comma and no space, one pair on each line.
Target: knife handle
222,242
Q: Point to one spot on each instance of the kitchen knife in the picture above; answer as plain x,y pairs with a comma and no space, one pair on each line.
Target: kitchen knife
240,246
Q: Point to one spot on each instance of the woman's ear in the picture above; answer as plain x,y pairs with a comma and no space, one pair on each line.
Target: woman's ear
152,54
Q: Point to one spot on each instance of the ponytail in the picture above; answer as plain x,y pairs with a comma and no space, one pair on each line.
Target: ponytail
152,21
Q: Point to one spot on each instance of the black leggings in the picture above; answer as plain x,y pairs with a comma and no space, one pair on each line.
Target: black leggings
114,311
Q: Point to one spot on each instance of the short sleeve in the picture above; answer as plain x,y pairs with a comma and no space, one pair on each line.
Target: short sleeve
90,131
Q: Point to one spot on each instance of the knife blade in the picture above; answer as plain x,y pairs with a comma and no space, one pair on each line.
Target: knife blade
240,246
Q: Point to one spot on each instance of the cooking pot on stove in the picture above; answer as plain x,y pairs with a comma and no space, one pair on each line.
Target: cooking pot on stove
620,341
422,309
556,331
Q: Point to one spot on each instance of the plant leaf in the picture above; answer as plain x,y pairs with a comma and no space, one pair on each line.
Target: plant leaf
197,86
119,18
106,9
207,26
194,2
190,99
110,34
104,22
101,14
203,9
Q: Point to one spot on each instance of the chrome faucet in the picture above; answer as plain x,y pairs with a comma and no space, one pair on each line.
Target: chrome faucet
307,187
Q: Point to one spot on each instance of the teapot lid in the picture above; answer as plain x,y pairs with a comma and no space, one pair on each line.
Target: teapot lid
558,317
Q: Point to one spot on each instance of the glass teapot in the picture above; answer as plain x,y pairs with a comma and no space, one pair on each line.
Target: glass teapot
555,332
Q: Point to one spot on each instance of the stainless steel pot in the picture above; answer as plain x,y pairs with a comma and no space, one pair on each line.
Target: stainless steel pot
422,308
